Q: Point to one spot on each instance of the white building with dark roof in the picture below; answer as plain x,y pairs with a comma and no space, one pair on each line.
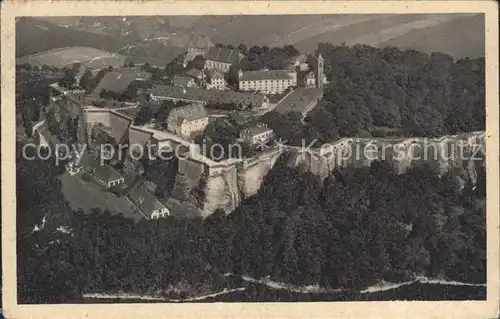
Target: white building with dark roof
267,81
147,203
216,80
221,58
186,121
310,80
102,174
257,135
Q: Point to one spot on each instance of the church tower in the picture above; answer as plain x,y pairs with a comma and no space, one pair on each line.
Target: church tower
320,72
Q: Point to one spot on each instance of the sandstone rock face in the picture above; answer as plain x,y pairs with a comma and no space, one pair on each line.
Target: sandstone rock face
221,190
226,185
442,153
252,173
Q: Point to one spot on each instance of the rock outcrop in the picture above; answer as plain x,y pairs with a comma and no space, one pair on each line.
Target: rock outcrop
214,185
226,185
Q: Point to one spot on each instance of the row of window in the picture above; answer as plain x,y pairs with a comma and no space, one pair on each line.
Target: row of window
266,81
218,65
117,182
265,85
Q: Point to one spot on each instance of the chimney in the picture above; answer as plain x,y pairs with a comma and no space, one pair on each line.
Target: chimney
240,73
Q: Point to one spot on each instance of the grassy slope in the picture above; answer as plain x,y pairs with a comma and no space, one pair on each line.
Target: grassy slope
463,37
67,56
33,36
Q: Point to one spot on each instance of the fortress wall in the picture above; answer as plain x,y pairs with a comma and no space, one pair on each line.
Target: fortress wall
226,183
138,137
119,125
192,170
221,191
94,117
250,177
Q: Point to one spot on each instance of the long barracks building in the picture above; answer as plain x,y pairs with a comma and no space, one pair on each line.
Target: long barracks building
168,92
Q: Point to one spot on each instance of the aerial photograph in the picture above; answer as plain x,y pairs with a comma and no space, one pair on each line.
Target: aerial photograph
250,158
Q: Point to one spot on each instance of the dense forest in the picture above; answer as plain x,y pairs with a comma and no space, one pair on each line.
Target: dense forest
354,229
357,227
387,91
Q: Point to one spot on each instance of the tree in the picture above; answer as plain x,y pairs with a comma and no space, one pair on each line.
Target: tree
144,116
181,189
68,81
198,62
231,76
242,48
86,81
164,110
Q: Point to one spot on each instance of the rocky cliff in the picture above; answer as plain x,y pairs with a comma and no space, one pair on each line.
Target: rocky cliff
226,185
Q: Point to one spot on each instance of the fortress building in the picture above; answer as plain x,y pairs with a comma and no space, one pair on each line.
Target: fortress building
187,121
222,58
199,45
267,81
173,93
257,135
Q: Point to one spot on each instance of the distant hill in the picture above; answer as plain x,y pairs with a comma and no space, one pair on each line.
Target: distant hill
92,58
39,36
459,35
34,36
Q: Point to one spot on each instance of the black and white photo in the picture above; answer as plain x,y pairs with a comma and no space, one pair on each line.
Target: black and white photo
251,158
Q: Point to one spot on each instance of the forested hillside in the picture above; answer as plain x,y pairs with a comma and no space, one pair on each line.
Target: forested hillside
379,92
358,227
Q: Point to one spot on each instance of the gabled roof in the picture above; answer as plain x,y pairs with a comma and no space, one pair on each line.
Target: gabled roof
119,80
103,172
181,80
223,55
195,73
144,200
214,74
208,96
189,113
266,75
